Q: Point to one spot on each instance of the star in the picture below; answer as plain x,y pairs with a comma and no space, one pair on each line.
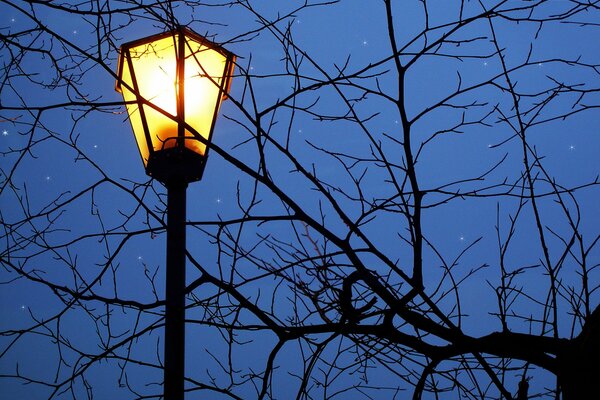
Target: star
365,43
22,306
299,130
485,63
12,20
540,64
462,238
95,146
218,200
396,121
75,32
251,68
48,178
571,147
5,133
140,258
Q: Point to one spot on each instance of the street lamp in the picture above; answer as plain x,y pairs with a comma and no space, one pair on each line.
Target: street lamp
173,84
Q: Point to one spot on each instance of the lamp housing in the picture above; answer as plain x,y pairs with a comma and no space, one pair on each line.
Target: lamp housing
173,84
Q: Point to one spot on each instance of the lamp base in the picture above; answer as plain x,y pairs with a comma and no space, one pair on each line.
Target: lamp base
176,164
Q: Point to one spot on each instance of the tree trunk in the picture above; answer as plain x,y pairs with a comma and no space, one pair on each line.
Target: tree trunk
579,366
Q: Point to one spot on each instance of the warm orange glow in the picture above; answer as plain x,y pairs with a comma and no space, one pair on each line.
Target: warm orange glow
154,67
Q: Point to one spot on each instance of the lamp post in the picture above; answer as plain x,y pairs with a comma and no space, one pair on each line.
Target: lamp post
173,84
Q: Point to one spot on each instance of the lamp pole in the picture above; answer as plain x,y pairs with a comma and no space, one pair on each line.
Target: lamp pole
175,291
168,122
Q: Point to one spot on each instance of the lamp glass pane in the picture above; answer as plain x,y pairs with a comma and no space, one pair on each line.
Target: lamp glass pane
204,70
133,109
154,65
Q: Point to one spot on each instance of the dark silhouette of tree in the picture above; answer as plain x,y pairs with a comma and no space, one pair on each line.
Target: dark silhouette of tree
334,269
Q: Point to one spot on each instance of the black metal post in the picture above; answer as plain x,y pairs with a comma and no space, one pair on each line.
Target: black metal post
175,293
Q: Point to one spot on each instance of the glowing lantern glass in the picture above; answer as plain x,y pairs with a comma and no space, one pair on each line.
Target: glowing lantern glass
173,84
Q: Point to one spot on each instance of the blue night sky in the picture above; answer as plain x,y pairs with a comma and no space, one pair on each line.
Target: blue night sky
77,149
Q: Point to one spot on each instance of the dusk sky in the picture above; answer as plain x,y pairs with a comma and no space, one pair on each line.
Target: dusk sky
75,148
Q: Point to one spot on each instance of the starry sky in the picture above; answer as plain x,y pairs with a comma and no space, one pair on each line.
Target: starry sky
74,147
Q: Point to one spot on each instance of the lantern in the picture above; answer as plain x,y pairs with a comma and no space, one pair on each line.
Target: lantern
173,84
